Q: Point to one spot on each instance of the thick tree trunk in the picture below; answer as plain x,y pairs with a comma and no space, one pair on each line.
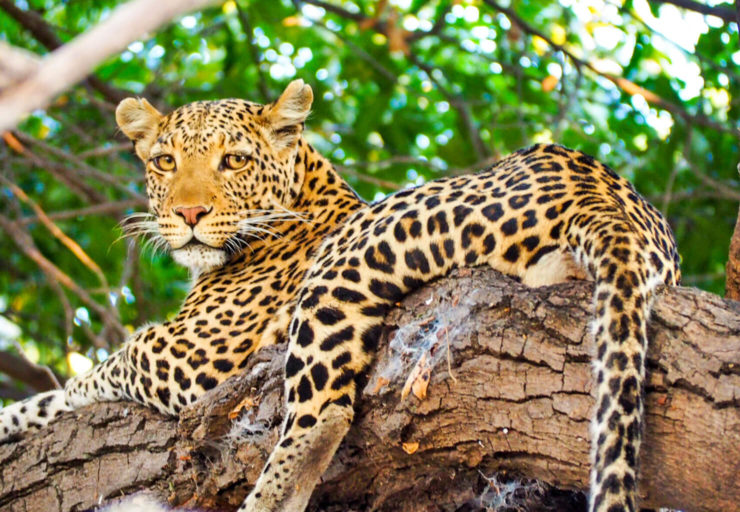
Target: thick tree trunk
509,393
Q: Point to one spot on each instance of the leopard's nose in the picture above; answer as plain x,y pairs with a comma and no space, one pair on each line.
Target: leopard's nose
191,214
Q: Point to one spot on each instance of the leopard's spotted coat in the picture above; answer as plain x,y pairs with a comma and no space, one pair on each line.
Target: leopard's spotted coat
285,250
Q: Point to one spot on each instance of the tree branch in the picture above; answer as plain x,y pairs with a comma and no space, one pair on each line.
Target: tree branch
70,63
350,169
61,173
34,23
38,377
57,232
15,64
110,208
108,149
726,189
246,25
461,107
725,13
44,34
26,244
519,405
368,178
360,52
80,166
8,391
627,86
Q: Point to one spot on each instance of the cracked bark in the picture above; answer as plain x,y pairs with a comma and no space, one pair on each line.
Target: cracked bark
518,404
732,281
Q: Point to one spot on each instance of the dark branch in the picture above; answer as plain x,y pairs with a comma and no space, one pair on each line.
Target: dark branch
38,377
460,105
246,25
107,208
725,13
81,168
8,391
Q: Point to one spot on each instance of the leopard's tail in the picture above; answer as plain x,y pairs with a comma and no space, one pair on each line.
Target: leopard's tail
628,265
34,412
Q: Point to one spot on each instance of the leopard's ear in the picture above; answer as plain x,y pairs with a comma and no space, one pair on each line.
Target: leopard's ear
139,121
286,115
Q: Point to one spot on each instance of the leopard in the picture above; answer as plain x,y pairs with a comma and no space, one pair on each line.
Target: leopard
283,251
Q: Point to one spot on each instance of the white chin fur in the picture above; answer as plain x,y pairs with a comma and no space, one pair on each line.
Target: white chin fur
200,258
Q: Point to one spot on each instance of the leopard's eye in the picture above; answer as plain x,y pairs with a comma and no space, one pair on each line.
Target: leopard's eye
164,162
234,162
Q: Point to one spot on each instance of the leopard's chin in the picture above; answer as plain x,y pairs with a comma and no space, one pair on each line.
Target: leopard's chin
200,258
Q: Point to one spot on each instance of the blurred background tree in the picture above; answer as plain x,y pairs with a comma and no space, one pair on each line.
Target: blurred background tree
406,91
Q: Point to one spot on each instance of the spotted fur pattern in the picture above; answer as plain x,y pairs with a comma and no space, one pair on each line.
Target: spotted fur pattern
284,251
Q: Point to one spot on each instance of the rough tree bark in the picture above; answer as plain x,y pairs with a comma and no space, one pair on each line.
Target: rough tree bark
732,280
509,393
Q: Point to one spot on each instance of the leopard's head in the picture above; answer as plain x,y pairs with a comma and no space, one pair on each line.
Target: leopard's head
217,172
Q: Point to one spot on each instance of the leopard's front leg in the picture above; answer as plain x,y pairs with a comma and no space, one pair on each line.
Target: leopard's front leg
126,374
333,336
38,410
33,412
331,346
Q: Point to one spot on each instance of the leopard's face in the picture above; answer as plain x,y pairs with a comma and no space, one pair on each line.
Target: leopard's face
218,172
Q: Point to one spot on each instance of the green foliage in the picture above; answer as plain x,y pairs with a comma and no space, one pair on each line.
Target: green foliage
447,87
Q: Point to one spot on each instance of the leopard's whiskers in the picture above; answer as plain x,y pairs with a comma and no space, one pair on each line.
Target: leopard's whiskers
144,226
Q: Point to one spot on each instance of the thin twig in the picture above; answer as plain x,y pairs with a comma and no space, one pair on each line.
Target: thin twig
459,104
694,195
24,242
105,150
477,166
70,244
246,25
668,193
696,279
622,83
368,179
65,176
395,160
719,186
98,209
566,102
80,166
726,14
69,313
729,70
358,51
